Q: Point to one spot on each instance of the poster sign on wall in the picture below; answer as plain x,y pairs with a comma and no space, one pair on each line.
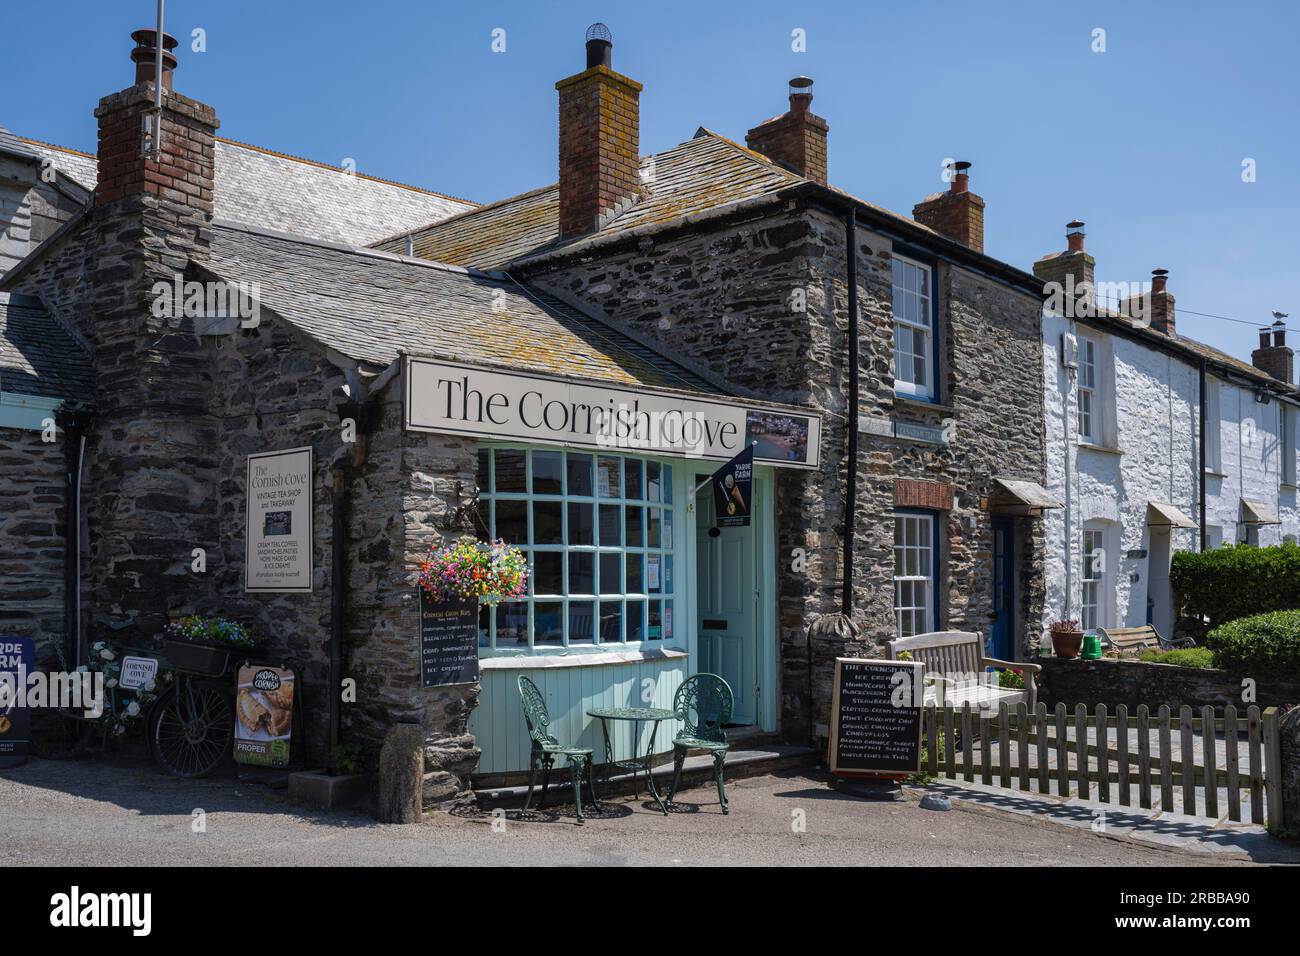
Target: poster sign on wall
278,521
448,641
876,717
16,657
264,712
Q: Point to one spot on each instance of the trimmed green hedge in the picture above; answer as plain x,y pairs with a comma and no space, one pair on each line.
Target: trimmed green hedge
1182,656
1263,646
1233,582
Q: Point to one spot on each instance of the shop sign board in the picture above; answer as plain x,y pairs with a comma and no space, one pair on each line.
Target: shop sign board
278,521
876,717
264,715
489,403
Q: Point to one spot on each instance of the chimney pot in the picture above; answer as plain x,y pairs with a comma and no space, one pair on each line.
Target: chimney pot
1279,334
1264,334
600,46
1074,235
1159,279
144,56
961,179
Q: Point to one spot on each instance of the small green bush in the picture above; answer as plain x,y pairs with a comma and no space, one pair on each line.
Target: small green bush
1265,645
1183,657
1008,678
1233,582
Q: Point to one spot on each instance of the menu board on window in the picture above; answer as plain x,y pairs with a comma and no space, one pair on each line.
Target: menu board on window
876,717
448,641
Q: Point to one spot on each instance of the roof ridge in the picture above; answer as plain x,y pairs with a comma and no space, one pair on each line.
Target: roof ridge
485,207
272,152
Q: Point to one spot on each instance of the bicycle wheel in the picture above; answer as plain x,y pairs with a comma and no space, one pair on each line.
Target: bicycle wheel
191,728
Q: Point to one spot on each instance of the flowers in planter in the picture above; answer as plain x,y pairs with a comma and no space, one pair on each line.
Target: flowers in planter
210,630
475,570
1065,627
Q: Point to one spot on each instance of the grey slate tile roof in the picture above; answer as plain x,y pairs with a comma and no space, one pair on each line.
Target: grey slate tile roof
289,194
37,355
700,174
372,306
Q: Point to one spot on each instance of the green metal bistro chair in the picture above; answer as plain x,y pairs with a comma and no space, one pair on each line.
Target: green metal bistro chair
703,703
546,748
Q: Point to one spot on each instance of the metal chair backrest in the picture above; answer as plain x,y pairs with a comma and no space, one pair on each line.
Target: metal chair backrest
942,652
535,715
703,703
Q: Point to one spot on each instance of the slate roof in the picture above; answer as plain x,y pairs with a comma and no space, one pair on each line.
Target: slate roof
37,355
700,174
290,194
371,306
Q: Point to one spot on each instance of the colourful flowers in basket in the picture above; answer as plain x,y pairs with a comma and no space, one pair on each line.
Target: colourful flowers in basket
211,630
475,569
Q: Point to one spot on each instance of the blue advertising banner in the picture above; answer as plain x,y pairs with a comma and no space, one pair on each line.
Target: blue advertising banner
733,490
16,657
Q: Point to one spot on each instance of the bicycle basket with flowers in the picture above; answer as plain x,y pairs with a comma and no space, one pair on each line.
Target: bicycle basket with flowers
477,570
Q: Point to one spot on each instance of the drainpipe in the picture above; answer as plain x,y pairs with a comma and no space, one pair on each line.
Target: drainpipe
74,426
1070,464
851,483
1200,480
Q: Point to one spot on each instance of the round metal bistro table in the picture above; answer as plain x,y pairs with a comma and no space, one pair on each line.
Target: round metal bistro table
638,763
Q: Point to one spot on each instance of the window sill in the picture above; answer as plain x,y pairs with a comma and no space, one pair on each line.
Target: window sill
586,659
922,404
1104,449
1215,473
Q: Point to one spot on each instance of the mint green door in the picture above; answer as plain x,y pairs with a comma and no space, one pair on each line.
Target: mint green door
726,607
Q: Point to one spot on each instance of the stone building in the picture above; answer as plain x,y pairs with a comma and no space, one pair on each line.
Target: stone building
1124,415
739,260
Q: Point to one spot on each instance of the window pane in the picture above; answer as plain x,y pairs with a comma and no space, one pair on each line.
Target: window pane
512,624
668,483
581,625
611,574
511,521
580,475
548,570
655,630
511,470
668,530
547,522
609,477
581,523
548,623
635,579
632,479
611,617
582,572
481,475
547,478
652,531
484,625
636,620
654,581
668,620
611,526
652,487
633,526
667,574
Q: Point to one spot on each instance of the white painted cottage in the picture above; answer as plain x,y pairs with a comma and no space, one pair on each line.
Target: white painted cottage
1124,398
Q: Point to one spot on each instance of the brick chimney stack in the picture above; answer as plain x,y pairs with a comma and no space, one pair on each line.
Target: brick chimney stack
796,139
957,213
1072,269
1162,303
600,133
1274,357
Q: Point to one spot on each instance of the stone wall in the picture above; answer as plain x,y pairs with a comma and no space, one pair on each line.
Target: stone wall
1113,682
32,488
762,302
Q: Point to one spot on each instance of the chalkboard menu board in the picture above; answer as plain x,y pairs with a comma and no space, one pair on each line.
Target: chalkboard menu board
448,641
876,717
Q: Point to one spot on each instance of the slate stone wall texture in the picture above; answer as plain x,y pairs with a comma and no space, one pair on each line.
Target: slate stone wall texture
762,302
1112,682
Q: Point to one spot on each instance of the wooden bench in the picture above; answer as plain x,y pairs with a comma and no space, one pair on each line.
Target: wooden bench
1131,640
955,671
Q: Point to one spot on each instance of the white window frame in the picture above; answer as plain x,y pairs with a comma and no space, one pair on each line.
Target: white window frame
1288,419
1089,388
914,317
915,557
1094,597
1213,426
667,599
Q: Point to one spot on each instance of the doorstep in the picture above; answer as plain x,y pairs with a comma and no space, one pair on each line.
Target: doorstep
740,763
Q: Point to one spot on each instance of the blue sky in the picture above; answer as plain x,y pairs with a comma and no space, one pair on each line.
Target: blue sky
1144,141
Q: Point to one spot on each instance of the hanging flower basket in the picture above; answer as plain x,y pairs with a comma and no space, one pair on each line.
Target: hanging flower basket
474,570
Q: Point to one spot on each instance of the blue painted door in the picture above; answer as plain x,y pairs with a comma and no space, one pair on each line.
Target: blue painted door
1002,635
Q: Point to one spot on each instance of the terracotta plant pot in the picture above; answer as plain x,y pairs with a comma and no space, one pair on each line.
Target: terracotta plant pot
1067,643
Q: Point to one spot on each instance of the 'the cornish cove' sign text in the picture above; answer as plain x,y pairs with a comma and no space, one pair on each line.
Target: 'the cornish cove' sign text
466,400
